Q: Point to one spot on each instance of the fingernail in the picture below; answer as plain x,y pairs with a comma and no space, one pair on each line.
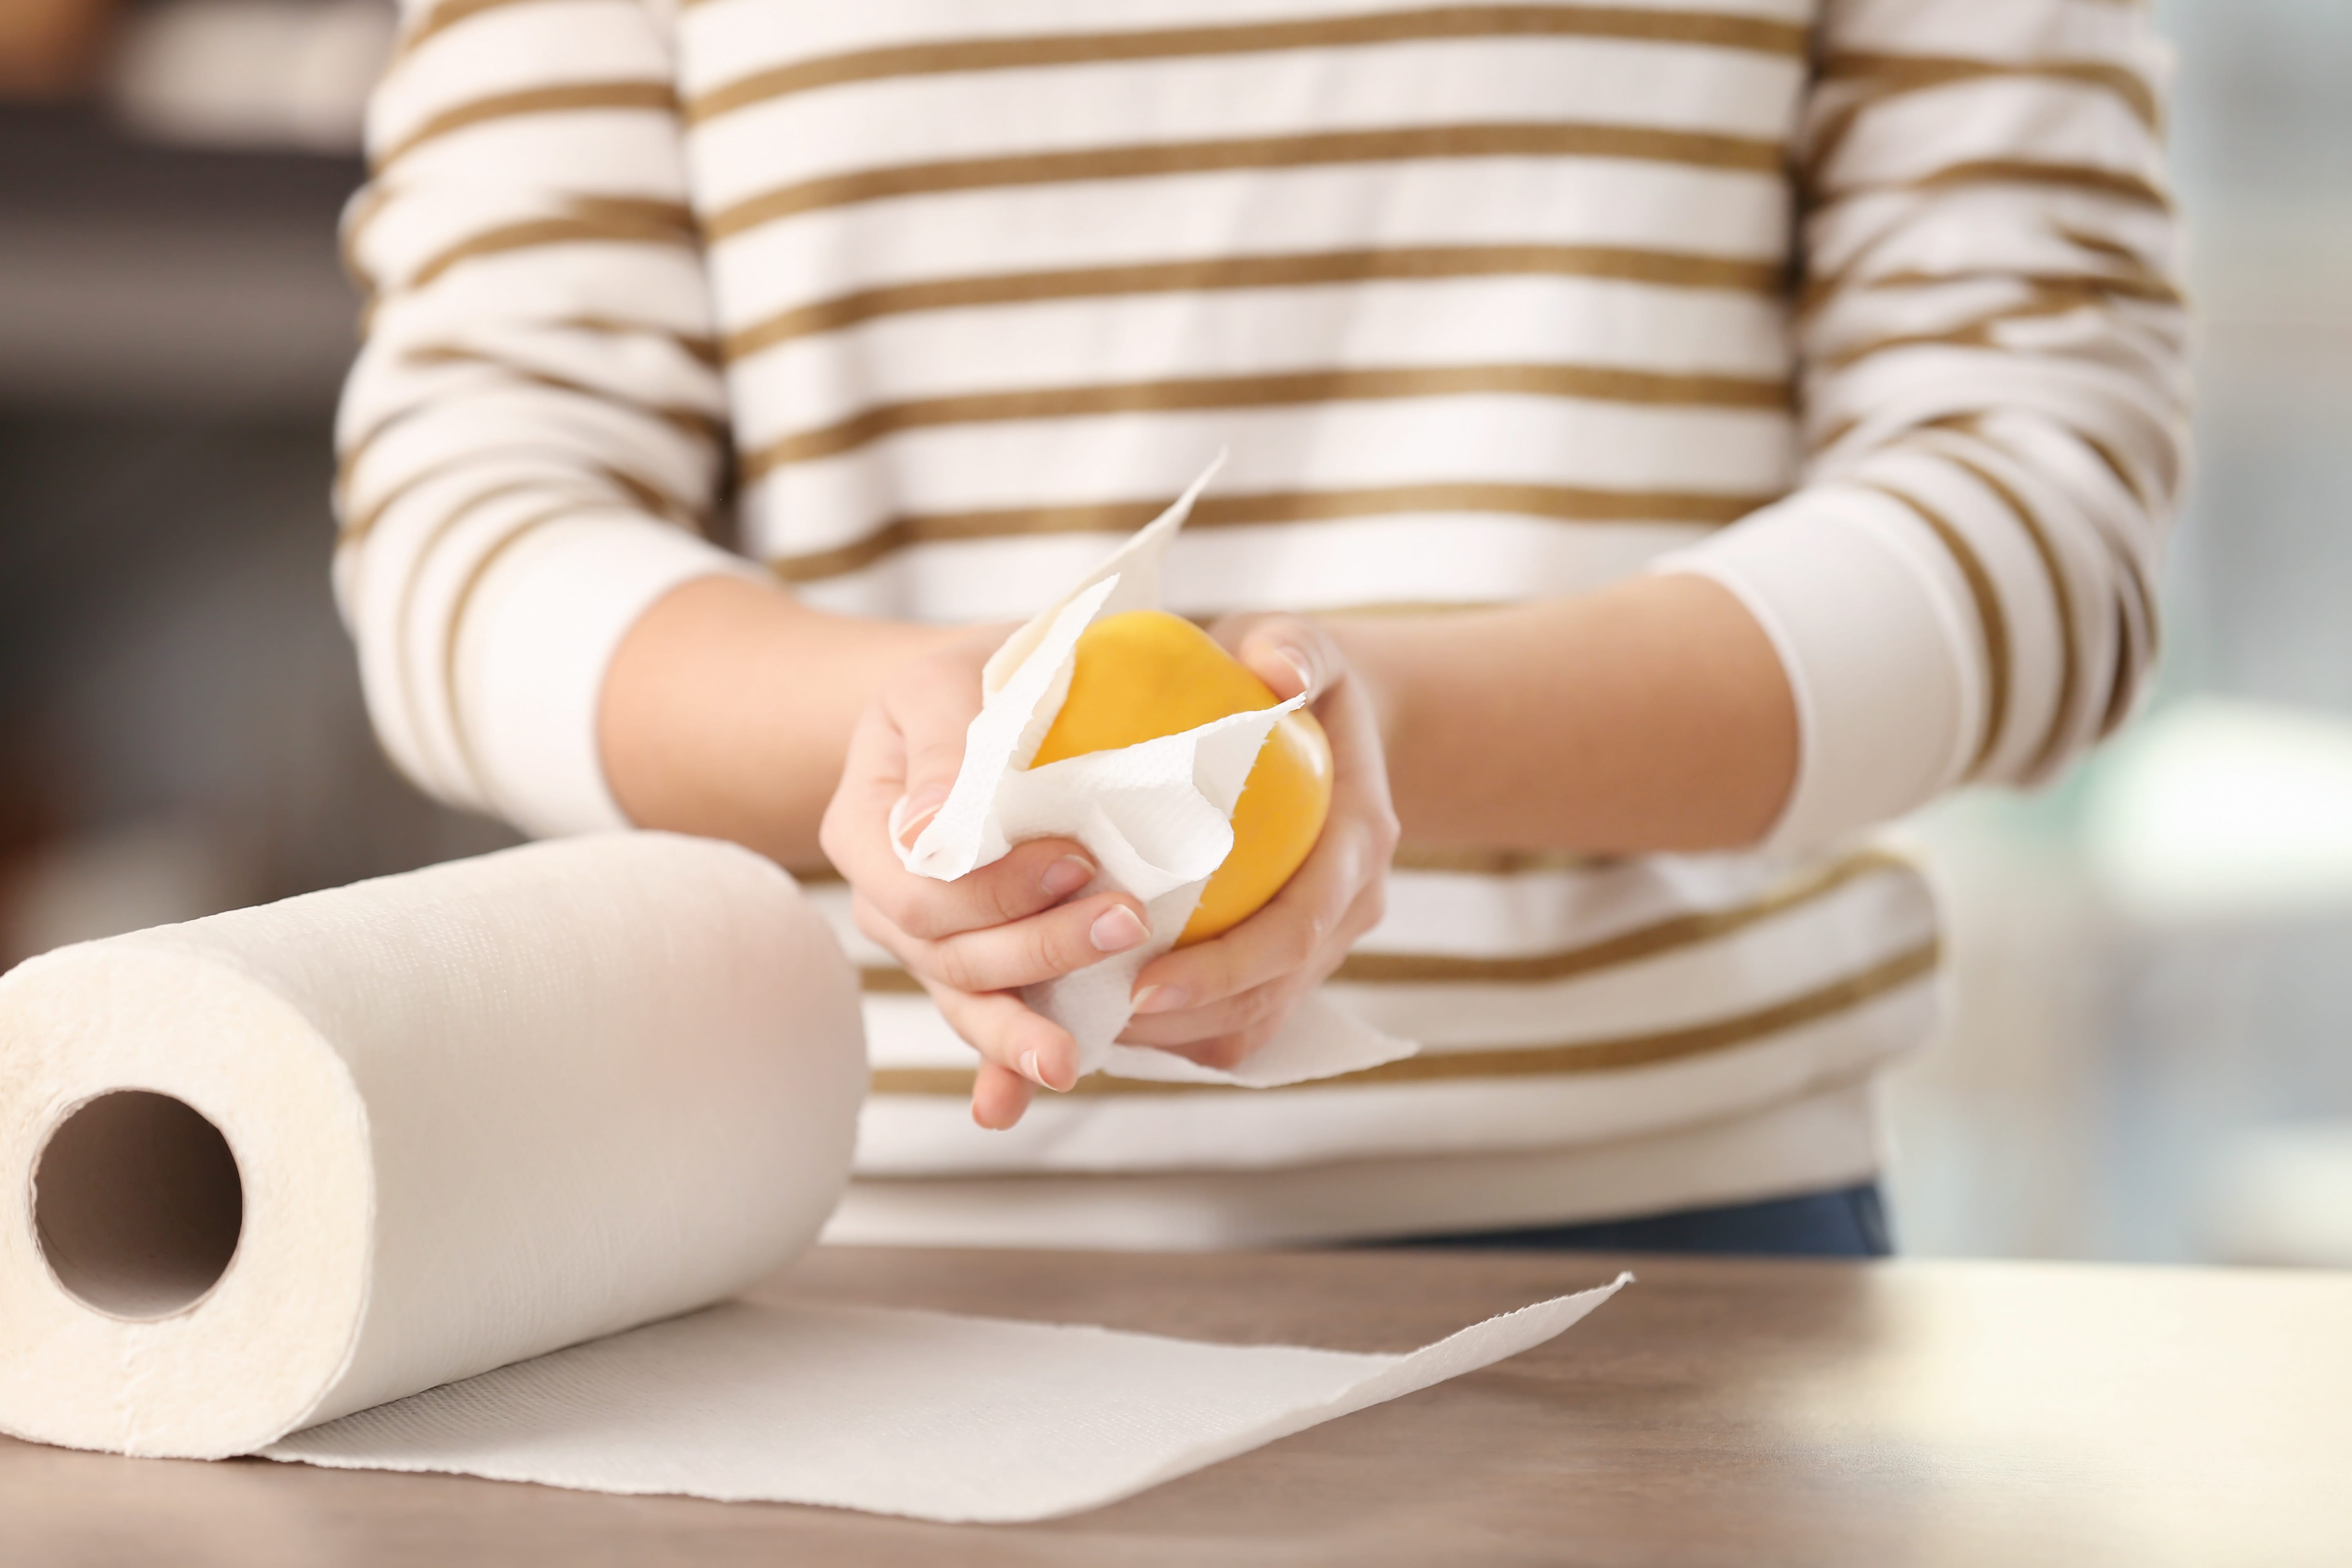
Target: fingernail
1302,665
1034,1071
914,812
1161,998
1066,877
1116,929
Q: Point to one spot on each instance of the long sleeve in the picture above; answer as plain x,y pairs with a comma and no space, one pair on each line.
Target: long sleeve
533,440
1992,387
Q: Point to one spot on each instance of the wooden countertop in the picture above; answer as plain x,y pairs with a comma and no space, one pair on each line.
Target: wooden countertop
1718,1411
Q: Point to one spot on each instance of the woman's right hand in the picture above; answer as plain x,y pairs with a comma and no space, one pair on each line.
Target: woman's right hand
975,941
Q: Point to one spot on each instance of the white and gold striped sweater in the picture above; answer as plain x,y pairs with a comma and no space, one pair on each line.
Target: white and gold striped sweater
1863,307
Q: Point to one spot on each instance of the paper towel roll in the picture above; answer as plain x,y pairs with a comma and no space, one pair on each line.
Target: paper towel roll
329,1181
289,1162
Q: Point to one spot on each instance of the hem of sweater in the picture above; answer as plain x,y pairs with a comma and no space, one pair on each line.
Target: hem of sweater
1820,1142
1883,678
549,615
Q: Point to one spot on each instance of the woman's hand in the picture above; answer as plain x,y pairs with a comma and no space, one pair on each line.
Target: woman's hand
975,941
1218,1001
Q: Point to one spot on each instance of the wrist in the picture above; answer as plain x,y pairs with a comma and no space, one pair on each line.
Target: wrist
1379,667
728,708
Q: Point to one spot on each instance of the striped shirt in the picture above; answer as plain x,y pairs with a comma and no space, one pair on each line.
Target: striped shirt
1865,308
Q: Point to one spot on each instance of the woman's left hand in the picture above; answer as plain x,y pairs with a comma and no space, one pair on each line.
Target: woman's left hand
1218,1001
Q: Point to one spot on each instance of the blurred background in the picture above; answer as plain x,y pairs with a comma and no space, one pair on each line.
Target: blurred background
2150,1051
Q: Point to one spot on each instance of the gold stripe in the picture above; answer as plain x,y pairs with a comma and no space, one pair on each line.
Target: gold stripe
419,560
1408,856
2134,578
644,491
2091,288
1289,388
567,98
1627,947
353,529
1398,608
2137,282
1692,27
448,14
2106,453
351,453
1555,501
1888,74
366,207
597,220
2070,673
1990,618
456,623
1446,858
2016,172
2128,668
2123,678
694,345
1668,936
701,423
2144,276
2041,302
1525,141
1525,1062
1667,269
687,515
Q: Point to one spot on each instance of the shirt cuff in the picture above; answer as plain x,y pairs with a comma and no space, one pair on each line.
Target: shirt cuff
1868,617
545,619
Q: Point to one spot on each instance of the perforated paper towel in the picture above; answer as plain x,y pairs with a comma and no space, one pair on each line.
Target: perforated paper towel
894,1411
320,1180
1157,817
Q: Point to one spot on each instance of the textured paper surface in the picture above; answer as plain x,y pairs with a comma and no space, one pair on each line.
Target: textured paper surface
894,1411
506,1131
479,1112
1157,817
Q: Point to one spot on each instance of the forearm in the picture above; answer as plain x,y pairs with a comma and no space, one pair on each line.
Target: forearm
1654,715
728,709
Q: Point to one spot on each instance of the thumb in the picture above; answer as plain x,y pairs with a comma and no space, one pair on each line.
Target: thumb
932,708
1291,653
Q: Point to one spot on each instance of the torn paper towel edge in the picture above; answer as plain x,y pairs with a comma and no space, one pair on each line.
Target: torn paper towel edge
466,1428
1157,818
1465,1351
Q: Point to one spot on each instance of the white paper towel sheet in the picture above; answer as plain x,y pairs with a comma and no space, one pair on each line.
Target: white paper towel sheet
1157,817
893,1412
321,1179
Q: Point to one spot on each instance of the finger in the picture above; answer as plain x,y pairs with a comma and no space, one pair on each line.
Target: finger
1009,1035
1026,952
1283,937
856,838
1207,1033
998,1098
873,776
1289,653
933,715
1182,1029
1032,878
1226,1052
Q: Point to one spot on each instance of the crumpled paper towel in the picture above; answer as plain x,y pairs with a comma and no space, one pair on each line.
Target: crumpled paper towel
1157,817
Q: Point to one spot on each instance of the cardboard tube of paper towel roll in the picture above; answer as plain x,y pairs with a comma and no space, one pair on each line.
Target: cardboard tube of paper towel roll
268,1168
